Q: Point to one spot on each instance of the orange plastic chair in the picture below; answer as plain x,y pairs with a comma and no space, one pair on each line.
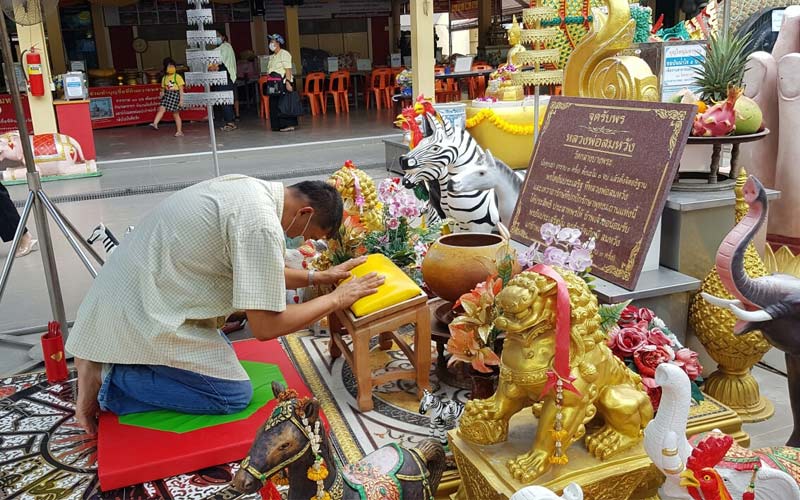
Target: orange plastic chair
477,84
379,87
338,86
314,90
446,89
263,101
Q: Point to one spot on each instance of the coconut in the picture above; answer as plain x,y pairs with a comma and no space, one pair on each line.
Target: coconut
749,118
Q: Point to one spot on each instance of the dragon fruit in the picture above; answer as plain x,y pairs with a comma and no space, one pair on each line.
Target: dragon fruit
720,119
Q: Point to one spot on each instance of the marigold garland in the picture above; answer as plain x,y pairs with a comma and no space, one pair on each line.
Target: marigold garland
498,122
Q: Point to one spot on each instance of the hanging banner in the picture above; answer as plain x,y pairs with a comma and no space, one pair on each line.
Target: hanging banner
130,105
328,9
8,119
458,9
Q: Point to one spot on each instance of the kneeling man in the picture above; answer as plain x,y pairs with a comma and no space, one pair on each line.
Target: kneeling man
146,336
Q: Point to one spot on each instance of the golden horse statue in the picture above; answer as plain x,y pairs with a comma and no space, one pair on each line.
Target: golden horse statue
607,388
595,70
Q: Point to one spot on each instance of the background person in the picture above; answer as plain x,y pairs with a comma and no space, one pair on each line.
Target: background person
9,221
171,96
280,64
228,57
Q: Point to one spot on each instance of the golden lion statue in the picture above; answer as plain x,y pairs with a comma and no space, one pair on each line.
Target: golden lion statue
527,314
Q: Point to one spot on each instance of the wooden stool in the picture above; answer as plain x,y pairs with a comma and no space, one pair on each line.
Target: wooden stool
384,324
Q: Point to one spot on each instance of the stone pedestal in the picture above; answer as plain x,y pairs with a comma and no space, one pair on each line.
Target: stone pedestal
631,475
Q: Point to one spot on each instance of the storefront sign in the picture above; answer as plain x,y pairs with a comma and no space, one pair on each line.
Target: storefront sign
8,119
681,62
130,105
604,167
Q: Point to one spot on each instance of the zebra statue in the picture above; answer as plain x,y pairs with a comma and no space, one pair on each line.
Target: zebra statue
110,242
444,415
439,157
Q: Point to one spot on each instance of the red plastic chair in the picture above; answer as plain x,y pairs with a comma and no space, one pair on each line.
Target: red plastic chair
338,86
314,90
446,89
378,87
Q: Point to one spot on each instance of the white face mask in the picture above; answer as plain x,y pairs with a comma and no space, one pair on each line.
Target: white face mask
273,46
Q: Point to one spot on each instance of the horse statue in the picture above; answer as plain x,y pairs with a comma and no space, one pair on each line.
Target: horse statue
292,443
490,173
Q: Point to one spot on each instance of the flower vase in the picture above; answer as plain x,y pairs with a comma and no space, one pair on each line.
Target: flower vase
483,384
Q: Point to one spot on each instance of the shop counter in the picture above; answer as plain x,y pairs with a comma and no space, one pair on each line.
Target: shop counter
123,105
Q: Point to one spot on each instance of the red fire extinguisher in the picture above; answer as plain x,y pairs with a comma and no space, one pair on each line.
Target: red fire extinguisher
33,61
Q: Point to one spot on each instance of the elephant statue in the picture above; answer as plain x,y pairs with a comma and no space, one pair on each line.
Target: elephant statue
54,154
770,304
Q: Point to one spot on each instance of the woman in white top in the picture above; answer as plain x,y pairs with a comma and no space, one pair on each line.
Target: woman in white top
280,64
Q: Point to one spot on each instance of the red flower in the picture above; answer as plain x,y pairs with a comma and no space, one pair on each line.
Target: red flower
653,391
650,356
687,359
646,314
629,316
657,337
626,341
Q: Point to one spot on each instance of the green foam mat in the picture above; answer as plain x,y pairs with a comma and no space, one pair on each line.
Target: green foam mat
50,178
261,376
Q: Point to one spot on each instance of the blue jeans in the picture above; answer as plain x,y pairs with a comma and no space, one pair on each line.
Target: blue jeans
137,388
227,109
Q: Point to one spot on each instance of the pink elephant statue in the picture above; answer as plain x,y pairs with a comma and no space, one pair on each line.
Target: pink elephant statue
55,154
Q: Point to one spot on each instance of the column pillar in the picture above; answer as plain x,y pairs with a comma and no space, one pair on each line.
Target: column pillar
394,27
56,41
102,40
484,21
42,113
293,36
258,28
422,54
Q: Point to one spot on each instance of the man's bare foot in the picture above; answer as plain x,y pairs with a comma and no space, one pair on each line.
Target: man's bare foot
89,381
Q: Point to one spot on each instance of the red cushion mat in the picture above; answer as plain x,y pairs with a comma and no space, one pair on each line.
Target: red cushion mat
129,455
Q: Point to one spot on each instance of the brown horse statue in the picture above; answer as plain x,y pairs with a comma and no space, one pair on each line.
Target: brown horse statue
293,443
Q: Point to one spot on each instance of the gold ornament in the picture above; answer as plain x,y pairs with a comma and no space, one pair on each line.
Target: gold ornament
607,387
595,70
359,195
732,383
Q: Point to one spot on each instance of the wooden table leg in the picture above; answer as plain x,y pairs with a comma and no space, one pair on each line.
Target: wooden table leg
422,349
735,162
362,370
385,341
336,328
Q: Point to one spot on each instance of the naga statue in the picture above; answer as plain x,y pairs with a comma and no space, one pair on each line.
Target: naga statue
770,304
553,338
595,70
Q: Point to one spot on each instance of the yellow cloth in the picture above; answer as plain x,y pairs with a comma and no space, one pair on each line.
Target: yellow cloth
172,82
397,288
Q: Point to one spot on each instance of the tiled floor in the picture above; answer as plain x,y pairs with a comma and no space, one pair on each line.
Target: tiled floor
253,150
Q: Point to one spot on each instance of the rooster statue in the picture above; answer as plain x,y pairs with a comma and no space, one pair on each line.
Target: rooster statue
700,478
714,469
412,122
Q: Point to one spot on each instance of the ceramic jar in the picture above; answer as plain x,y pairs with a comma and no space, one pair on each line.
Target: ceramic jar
455,263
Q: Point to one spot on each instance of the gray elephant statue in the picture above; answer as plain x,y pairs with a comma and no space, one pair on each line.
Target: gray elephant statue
770,304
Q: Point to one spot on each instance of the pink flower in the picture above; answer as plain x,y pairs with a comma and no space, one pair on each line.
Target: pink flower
624,342
629,316
687,359
569,235
657,337
580,260
646,314
554,256
648,357
549,232
393,223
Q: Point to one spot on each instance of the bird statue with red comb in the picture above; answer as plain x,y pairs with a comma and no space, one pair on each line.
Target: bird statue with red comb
700,478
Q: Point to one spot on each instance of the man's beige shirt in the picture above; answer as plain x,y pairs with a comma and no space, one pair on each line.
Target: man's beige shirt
202,253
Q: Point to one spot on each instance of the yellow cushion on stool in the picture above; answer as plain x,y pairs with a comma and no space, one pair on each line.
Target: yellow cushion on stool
397,288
